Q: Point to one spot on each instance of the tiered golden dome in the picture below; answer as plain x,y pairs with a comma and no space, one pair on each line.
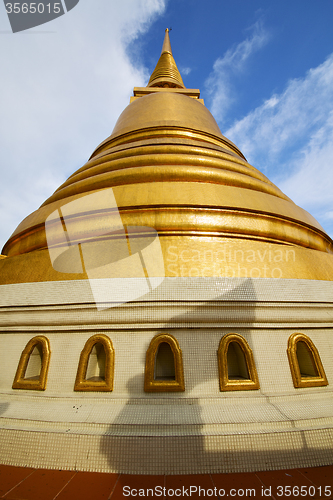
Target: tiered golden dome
171,169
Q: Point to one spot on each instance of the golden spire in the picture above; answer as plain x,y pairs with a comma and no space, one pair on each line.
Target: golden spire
166,73
166,44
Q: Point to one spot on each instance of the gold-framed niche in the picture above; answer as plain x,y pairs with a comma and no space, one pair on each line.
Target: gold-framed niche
164,365
32,370
237,370
96,365
305,363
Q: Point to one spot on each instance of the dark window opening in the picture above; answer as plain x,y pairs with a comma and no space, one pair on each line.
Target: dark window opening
35,362
306,363
237,368
164,363
96,364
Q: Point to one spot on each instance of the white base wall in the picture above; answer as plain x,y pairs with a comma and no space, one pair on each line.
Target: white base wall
199,431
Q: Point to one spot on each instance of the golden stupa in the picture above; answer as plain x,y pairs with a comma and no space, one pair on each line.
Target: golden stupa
168,309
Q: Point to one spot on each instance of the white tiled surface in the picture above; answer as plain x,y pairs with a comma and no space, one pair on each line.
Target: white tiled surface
200,430
181,289
167,455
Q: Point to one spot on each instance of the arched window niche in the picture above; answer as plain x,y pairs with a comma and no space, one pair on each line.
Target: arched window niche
96,365
305,363
33,366
237,370
164,365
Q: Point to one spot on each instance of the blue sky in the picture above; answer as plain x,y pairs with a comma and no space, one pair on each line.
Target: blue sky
264,68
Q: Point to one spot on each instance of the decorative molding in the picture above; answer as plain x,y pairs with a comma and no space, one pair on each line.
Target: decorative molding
81,383
318,377
151,383
33,383
243,384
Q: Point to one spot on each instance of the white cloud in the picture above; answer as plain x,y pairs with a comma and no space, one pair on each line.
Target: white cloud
290,138
184,70
63,85
311,181
310,184
233,62
285,119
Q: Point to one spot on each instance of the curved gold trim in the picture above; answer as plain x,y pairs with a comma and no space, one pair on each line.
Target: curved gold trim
164,155
165,173
298,379
35,385
295,262
153,385
191,220
187,150
167,132
174,142
236,385
81,384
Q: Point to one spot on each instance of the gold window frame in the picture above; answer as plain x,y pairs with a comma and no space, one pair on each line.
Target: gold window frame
34,385
153,385
81,383
298,380
236,385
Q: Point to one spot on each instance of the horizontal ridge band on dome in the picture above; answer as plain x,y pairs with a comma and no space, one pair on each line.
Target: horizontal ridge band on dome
160,154
179,220
168,145
163,133
163,173
164,163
